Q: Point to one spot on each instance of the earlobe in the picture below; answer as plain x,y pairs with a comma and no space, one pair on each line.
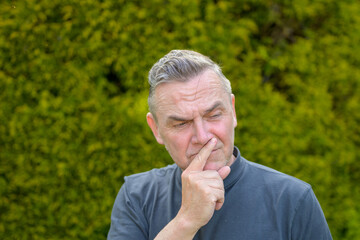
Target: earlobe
233,109
154,128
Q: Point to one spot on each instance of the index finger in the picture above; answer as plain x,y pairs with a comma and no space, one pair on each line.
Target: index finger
199,161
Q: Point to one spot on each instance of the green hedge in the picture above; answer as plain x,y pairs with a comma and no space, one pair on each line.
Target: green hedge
73,90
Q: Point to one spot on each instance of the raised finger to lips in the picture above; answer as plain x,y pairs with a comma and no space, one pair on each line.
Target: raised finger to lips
199,161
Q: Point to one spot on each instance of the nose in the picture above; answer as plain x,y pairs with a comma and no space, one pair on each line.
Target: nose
201,134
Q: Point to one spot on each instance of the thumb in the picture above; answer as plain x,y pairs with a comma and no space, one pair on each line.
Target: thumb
224,172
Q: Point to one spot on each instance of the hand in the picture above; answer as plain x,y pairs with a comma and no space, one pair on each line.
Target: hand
202,190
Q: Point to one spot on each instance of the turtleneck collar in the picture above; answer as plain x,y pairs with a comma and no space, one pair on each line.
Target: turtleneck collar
237,168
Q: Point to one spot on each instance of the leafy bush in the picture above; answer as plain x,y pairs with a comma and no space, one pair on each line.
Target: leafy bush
73,93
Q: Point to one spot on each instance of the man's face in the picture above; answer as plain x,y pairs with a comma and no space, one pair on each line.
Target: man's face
189,114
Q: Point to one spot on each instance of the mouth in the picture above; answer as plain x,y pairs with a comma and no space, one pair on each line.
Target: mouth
192,156
213,151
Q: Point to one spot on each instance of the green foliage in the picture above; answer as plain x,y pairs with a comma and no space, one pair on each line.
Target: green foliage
73,93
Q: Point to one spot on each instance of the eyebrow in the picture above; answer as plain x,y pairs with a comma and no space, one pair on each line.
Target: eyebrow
214,106
209,110
176,118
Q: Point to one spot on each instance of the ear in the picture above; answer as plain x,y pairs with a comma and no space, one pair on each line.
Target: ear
154,128
233,109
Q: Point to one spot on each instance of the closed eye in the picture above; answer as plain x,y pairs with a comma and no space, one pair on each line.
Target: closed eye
181,124
213,116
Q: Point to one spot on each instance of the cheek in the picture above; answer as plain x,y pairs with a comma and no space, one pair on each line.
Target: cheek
223,130
178,142
177,147
222,127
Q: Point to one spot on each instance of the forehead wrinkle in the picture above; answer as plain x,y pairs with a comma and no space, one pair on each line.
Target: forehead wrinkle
197,87
166,101
204,86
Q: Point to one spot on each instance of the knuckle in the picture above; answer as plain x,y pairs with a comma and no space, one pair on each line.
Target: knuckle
188,176
208,193
198,157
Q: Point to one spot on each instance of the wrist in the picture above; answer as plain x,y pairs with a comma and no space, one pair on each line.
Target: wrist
178,228
186,225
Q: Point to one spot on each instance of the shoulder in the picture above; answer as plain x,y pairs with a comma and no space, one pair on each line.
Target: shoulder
285,193
152,176
155,181
275,180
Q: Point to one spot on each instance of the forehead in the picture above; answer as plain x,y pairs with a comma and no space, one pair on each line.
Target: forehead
196,94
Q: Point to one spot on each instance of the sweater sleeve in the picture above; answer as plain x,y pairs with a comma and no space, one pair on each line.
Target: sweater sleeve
309,221
127,219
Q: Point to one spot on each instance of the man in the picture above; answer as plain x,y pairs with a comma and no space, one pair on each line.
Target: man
211,192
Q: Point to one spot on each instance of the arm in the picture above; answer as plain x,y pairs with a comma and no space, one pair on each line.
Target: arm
309,221
127,221
202,193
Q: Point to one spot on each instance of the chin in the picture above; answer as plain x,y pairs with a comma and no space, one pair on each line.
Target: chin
214,165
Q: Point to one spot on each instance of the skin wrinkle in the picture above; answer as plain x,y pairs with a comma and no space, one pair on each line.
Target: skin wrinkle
162,99
197,87
182,80
194,102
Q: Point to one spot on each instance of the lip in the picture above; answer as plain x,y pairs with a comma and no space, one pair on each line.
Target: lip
214,151
192,156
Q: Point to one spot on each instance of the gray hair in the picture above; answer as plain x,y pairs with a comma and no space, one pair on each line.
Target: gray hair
181,65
